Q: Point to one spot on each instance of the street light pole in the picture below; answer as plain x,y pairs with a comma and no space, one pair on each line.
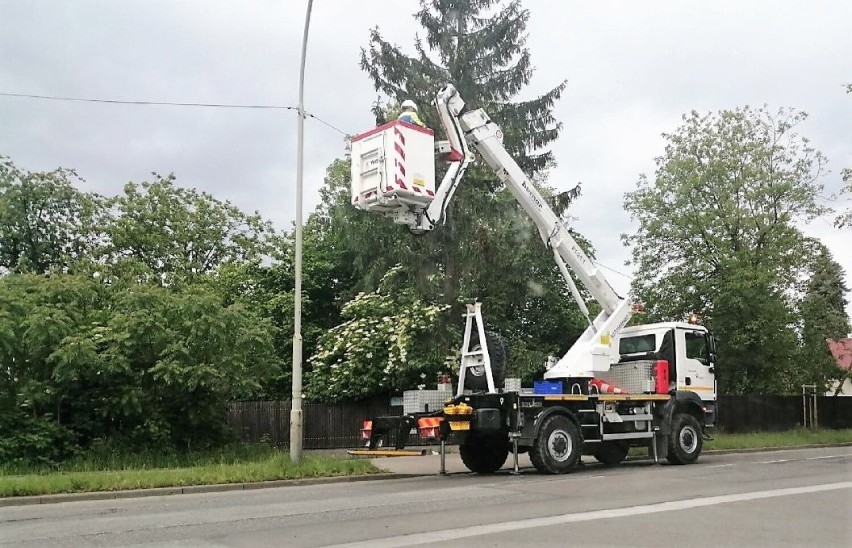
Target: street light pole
296,407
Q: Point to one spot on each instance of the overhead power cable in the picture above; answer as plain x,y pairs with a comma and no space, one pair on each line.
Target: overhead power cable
169,104
612,270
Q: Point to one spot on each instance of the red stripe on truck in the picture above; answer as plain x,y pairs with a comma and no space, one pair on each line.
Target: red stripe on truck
396,123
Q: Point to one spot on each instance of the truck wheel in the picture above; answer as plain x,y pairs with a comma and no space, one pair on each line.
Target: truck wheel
484,454
685,441
476,378
611,453
557,447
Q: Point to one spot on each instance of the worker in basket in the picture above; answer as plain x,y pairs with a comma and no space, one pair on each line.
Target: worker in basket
409,113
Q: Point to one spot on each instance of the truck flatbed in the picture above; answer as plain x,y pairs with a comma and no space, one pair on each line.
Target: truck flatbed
599,397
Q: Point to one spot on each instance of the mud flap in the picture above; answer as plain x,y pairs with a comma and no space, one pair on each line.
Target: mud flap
659,446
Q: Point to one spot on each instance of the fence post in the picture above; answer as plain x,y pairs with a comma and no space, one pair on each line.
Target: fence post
809,406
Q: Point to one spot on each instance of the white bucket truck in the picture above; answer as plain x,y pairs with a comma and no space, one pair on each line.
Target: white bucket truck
616,387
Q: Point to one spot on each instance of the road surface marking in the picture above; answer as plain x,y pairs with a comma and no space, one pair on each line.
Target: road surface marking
826,457
478,530
774,461
720,465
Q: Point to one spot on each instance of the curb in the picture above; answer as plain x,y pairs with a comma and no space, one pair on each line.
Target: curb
191,489
222,487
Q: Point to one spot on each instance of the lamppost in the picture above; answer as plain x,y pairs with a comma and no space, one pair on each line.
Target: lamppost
296,407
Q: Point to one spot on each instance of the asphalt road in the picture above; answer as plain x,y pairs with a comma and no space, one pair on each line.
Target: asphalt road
782,498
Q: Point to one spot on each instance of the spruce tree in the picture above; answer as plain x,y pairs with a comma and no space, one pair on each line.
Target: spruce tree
823,313
487,250
479,46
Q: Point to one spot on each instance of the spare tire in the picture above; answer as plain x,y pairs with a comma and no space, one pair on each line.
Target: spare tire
475,378
484,453
611,453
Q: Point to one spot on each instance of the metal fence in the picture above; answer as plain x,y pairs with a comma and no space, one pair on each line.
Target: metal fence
334,426
753,413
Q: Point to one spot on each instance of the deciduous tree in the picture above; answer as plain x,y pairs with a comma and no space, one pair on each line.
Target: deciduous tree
844,218
45,221
717,235
177,234
136,364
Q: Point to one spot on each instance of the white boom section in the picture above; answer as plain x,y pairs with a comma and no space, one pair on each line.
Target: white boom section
592,351
449,104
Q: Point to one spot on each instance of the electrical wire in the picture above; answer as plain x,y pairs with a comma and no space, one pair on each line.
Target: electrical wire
320,120
169,104
213,105
613,270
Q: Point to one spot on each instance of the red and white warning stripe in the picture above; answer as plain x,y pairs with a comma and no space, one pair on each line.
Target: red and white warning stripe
366,430
399,159
429,426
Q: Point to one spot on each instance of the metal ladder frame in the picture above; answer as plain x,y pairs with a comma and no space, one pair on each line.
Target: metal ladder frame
475,358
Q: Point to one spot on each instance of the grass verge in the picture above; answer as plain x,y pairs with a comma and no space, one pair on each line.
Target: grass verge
789,438
103,469
93,472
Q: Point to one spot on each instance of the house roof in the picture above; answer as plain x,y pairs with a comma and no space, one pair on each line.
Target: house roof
841,349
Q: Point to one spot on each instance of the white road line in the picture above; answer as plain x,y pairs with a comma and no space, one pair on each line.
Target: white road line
774,461
478,530
826,457
721,465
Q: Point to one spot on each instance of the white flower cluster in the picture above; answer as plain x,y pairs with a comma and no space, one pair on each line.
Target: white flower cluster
362,355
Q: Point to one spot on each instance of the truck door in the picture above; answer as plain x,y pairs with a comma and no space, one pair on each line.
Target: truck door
694,366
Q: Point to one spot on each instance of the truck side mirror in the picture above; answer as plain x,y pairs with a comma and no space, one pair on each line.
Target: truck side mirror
711,346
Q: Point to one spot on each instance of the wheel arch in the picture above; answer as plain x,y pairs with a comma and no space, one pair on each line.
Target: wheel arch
684,401
687,401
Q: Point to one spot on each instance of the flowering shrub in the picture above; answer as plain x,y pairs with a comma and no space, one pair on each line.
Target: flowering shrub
382,347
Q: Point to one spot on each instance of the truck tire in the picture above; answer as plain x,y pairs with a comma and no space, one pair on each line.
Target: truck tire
557,447
475,379
611,453
685,441
484,453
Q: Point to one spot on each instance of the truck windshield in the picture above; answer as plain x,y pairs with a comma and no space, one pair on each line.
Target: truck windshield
638,344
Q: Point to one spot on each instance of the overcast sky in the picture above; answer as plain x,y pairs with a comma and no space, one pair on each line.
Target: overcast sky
633,68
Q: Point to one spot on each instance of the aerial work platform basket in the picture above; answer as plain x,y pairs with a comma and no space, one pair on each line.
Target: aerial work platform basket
393,166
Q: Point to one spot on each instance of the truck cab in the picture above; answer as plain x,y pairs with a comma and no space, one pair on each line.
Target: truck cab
690,351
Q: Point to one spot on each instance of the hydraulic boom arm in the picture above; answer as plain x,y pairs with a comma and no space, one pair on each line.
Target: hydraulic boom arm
475,130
